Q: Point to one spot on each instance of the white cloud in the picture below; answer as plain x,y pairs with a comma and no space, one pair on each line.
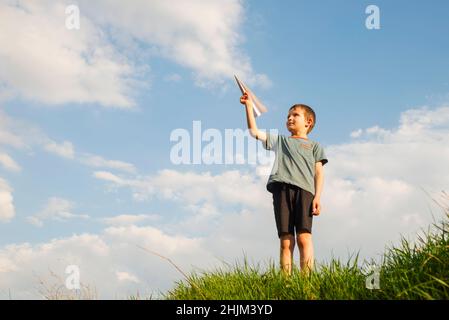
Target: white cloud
356,133
64,149
98,161
67,150
24,135
382,183
12,131
56,209
153,238
209,46
413,152
125,276
110,262
109,177
29,265
193,188
8,163
40,59
129,219
6,265
7,211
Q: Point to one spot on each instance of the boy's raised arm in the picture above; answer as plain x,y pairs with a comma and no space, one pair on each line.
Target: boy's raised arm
251,120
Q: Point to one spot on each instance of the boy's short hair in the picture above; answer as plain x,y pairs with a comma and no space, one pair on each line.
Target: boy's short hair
308,112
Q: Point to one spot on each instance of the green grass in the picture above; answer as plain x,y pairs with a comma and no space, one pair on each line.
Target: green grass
418,270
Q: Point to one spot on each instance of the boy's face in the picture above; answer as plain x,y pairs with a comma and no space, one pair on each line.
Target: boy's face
297,122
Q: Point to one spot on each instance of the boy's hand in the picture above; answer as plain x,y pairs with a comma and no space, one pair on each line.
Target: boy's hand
316,207
251,120
244,99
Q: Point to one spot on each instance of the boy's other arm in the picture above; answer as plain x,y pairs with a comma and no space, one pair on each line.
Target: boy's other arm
319,180
251,120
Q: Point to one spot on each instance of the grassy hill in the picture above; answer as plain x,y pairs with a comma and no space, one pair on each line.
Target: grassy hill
417,270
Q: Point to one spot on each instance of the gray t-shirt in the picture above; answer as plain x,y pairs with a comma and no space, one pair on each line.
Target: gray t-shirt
295,161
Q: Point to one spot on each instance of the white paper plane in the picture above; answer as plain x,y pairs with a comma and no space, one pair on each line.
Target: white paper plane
258,107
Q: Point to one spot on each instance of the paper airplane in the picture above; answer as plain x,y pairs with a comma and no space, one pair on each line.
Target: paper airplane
258,107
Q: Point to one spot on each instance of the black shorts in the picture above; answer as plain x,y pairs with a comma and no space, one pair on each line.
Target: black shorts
292,208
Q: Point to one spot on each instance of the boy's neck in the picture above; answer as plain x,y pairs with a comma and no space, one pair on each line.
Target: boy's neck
299,136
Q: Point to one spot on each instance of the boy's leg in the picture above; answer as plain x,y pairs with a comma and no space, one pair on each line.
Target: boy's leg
286,256
305,246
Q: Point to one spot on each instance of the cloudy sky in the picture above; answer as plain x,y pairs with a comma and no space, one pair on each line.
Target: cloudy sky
86,116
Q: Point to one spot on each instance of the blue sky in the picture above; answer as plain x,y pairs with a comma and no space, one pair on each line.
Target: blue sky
145,86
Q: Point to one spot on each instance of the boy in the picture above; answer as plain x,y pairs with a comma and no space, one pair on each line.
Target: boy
296,181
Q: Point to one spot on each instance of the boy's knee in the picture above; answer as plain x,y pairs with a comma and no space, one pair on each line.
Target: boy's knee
304,239
287,242
286,246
